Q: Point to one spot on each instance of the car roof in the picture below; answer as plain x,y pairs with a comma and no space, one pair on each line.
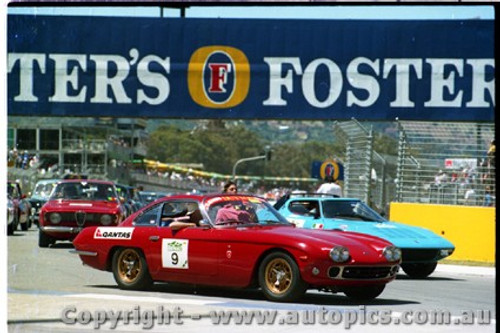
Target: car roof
201,197
99,181
48,181
309,195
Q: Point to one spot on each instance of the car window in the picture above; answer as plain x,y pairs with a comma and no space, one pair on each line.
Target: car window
149,216
353,210
43,189
304,207
84,191
184,211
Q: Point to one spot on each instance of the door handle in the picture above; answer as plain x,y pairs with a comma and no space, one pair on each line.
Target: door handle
154,238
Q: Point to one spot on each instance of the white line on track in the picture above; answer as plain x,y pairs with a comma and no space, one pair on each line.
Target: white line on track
143,299
466,270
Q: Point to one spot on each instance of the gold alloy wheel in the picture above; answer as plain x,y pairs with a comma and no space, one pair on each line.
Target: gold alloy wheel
129,265
278,276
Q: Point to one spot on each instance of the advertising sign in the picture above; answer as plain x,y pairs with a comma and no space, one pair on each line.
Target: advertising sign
251,68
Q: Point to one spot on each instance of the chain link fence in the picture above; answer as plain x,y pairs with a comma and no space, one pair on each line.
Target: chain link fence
446,163
366,173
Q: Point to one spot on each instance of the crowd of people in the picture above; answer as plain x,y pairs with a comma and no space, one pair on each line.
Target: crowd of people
22,160
474,182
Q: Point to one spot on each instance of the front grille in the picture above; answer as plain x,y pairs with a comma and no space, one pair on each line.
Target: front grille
80,218
419,254
355,272
89,217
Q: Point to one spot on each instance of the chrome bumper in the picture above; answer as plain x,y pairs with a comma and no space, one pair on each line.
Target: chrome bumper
71,230
83,253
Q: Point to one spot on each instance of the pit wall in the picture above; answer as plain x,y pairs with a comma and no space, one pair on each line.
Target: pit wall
470,229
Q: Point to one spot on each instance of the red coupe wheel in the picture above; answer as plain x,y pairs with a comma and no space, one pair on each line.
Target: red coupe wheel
130,269
280,279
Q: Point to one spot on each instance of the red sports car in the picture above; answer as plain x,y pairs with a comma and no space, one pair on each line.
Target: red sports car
76,204
236,241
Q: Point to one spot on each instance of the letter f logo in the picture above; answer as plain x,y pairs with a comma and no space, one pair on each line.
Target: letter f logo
218,77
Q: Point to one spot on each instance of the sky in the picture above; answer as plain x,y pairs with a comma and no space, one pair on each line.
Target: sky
469,11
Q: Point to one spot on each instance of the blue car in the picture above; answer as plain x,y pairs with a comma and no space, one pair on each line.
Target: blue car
421,248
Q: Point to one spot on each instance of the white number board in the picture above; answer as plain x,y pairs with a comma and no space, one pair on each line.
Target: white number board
174,253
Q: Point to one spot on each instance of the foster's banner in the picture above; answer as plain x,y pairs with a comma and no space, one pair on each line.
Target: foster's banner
251,68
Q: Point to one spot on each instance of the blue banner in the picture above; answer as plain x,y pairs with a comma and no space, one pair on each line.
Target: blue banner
251,68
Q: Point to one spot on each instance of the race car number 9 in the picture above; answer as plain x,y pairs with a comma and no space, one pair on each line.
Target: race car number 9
174,253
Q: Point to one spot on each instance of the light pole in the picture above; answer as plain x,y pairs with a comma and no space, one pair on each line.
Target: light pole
266,156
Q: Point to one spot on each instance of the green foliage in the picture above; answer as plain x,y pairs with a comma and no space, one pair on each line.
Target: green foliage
218,146
218,149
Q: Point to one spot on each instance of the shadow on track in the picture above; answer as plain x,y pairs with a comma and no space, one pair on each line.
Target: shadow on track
233,296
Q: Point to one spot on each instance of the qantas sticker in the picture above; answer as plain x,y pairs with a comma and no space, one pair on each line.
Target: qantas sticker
113,233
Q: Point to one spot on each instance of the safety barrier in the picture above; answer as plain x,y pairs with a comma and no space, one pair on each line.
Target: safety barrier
471,229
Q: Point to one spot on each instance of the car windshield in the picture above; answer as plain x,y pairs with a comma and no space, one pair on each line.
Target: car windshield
84,191
123,192
350,209
43,190
12,190
148,197
241,209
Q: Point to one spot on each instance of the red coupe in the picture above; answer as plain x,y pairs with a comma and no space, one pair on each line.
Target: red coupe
236,241
76,204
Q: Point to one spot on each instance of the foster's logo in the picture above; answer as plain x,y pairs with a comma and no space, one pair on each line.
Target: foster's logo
218,77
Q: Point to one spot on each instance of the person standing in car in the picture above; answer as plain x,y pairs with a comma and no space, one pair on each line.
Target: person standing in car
330,187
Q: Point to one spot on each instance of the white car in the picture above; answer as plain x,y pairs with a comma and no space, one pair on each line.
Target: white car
40,196
11,221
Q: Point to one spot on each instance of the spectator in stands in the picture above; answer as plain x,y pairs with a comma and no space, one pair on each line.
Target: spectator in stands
491,163
470,197
488,197
330,187
491,154
440,178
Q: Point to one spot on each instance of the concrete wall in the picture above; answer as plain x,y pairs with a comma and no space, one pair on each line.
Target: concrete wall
470,229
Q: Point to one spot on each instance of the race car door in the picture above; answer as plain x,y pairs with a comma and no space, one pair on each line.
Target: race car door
186,255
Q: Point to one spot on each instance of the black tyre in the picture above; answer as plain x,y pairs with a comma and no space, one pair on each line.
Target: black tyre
364,293
279,278
10,229
26,225
419,271
130,269
13,226
44,240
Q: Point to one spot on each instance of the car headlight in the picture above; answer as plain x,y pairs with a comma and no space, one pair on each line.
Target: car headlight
392,253
106,219
55,218
445,252
339,254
